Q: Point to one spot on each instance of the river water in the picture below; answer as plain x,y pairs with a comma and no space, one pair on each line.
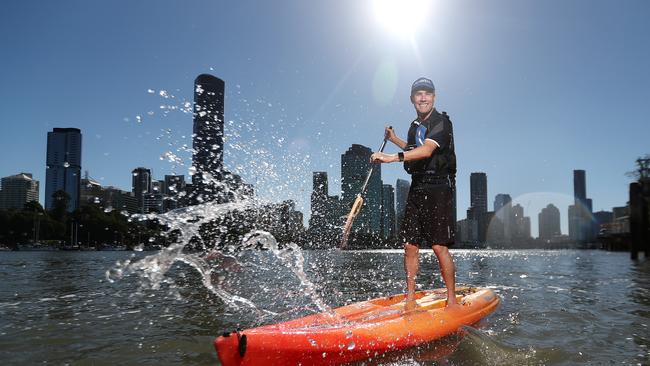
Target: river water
558,308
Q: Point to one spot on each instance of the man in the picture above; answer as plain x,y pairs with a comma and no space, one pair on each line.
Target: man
430,216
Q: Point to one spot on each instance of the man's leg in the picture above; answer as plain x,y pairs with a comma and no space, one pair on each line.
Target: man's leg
411,265
448,271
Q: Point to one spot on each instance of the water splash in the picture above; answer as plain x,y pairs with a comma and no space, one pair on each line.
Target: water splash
218,256
268,160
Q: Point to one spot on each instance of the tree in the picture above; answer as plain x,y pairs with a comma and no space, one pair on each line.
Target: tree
642,171
60,209
34,206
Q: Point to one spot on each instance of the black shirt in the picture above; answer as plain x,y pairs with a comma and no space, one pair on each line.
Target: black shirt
442,161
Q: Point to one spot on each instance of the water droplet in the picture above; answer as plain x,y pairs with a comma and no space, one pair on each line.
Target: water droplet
191,170
351,346
66,164
150,91
324,354
348,334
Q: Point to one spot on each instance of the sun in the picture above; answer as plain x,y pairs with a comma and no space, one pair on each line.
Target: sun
401,18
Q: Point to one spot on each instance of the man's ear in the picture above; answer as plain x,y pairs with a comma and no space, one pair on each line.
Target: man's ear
411,98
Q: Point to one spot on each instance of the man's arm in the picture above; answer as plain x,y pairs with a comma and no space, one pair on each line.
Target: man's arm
420,152
392,137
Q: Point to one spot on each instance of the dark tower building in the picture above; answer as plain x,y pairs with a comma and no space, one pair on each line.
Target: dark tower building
141,185
63,166
478,192
579,186
208,137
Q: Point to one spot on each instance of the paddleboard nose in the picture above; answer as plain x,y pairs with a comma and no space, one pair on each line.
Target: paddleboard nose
229,348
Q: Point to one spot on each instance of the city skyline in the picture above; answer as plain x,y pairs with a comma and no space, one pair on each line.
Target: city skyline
142,176
528,102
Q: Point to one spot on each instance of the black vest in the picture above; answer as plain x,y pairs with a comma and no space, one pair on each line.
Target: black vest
442,161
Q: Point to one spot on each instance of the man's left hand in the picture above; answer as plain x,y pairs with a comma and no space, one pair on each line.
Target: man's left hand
380,157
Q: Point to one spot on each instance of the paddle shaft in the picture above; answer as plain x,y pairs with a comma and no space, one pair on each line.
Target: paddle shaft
372,168
358,202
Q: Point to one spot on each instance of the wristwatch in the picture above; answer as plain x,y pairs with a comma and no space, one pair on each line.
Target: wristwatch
400,156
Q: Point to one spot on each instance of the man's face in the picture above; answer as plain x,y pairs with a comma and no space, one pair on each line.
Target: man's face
423,101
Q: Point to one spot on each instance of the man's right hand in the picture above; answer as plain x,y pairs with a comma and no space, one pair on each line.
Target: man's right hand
389,134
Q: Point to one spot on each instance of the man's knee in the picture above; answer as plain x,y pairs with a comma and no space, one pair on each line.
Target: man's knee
440,249
410,249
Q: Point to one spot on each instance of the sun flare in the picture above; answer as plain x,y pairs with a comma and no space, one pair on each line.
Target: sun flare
401,17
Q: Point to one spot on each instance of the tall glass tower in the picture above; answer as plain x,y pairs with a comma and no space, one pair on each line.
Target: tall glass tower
63,166
208,137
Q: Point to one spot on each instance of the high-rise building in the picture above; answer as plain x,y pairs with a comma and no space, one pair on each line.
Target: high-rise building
579,185
17,190
521,224
388,211
503,212
326,221
501,200
478,191
91,192
174,195
141,185
153,203
355,165
208,138
603,218
477,211
581,226
117,199
549,222
174,184
63,166
319,198
402,188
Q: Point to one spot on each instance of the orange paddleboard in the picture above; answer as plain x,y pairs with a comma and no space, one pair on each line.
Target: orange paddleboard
357,331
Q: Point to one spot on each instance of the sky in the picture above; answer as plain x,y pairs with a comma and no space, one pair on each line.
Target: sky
535,89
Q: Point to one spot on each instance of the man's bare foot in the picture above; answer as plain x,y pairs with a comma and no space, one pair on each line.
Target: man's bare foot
452,303
410,305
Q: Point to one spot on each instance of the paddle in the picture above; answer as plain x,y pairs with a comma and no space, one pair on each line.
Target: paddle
358,202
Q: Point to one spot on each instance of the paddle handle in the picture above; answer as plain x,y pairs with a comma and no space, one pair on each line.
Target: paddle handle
372,167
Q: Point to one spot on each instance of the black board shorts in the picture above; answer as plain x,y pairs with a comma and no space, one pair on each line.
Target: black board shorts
430,215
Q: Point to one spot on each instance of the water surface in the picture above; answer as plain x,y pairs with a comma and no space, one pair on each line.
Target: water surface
559,307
